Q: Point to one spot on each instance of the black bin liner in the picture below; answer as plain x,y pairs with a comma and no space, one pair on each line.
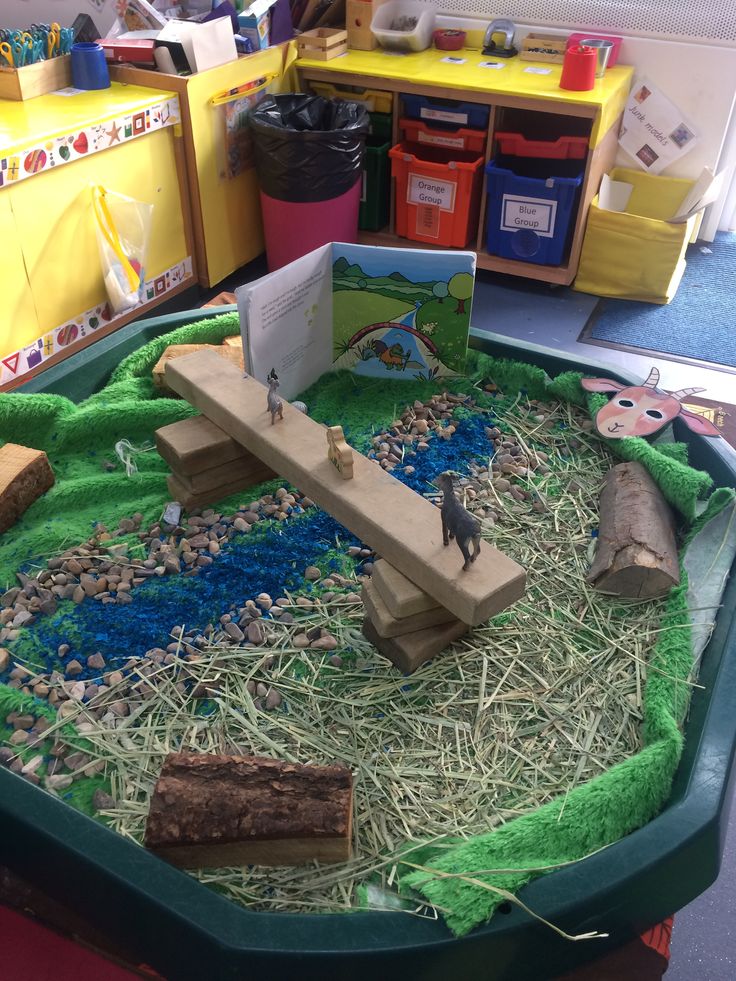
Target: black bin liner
308,148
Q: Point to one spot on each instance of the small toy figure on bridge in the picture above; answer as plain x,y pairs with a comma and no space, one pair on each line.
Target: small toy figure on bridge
458,523
339,453
275,405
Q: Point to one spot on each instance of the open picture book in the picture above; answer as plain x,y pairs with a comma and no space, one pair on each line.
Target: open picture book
398,313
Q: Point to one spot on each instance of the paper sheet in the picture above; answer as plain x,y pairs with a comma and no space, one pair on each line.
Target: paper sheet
654,131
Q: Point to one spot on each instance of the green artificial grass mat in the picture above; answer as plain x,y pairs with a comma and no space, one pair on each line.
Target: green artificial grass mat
80,439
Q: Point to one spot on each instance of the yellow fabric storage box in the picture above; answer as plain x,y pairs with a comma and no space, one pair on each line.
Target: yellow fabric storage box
637,254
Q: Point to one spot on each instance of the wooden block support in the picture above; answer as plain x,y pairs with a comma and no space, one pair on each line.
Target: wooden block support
410,651
389,626
196,499
225,351
196,444
403,527
401,596
210,811
247,471
636,554
25,474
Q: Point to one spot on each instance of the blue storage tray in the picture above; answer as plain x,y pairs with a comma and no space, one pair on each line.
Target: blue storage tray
531,203
446,112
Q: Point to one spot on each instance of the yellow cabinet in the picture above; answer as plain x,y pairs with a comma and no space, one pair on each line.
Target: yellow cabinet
53,149
226,213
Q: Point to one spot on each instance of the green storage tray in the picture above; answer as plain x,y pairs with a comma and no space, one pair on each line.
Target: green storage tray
375,197
188,933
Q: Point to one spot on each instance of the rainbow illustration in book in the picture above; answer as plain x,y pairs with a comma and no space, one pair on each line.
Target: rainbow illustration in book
401,312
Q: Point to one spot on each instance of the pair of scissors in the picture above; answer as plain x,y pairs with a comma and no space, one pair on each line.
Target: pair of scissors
7,53
66,39
52,42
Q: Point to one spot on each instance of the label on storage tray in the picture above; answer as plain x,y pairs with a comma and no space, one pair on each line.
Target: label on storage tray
429,190
443,116
428,221
438,140
535,214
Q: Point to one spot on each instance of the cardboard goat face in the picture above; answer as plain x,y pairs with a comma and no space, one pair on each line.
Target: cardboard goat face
642,410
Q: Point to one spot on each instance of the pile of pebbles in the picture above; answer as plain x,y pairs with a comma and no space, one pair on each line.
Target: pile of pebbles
109,573
410,434
109,697
105,571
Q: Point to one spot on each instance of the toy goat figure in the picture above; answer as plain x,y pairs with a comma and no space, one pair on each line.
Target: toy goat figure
275,405
641,410
458,523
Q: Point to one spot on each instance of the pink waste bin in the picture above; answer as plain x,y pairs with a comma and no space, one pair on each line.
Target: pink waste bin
309,158
293,228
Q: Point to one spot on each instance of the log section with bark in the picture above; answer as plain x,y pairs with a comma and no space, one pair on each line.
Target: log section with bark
636,555
209,811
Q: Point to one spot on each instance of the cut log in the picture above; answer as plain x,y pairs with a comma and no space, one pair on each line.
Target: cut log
389,626
196,444
389,517
210,811
410,651
636,556
25,474
232,354
400,595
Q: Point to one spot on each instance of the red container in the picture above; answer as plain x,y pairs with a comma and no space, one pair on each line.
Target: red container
578,69
449,40
563,148
461,138
437,193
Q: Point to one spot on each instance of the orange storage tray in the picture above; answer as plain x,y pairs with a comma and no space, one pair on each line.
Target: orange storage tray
437,193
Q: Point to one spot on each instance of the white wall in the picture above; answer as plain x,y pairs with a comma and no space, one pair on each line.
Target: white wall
21,13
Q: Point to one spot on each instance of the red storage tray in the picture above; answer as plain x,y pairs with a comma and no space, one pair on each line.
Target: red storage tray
437,193
461,138
563,148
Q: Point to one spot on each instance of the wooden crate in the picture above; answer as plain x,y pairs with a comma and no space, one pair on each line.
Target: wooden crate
322,44
20,84
543,47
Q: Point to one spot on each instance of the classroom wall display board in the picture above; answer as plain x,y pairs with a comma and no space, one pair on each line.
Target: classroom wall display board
52,150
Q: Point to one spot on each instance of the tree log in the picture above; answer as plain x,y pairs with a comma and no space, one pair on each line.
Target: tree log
636,555
208,811
25,474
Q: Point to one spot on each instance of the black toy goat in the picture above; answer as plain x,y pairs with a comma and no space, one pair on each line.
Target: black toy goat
458,523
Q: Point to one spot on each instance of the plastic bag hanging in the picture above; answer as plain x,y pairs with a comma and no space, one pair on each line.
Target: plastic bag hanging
123,232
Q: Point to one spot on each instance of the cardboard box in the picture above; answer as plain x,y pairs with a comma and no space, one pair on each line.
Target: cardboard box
255,23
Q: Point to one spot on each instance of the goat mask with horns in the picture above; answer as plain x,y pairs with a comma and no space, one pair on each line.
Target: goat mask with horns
641,410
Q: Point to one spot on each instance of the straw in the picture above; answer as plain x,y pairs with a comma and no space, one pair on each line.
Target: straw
542,698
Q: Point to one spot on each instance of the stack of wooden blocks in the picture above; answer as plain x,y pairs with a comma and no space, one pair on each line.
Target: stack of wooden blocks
206,463
404,623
